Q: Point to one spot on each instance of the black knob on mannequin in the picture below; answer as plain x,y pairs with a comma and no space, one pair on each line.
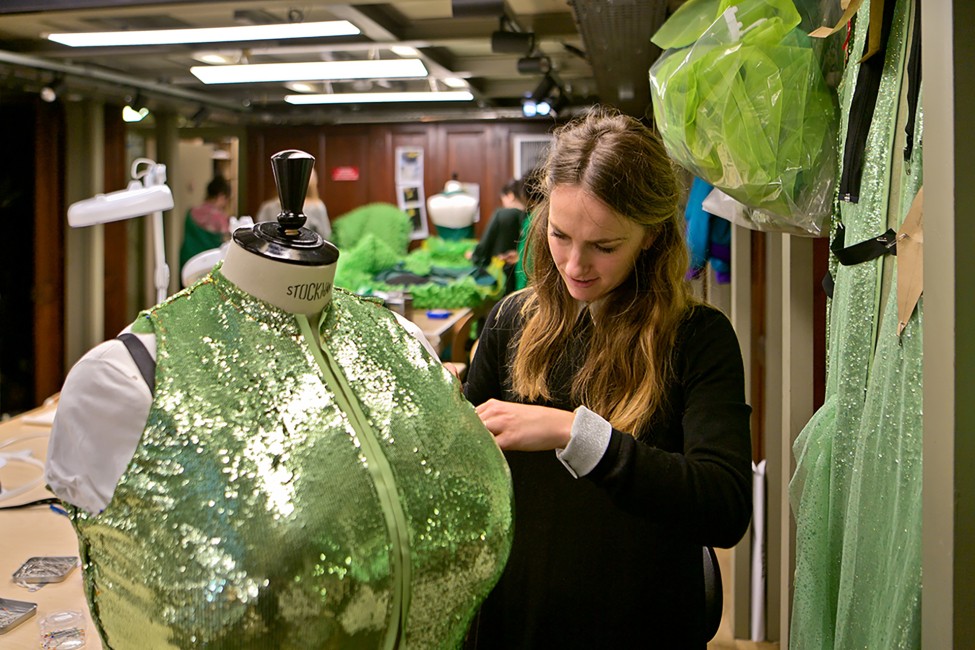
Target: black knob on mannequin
292,170
285,239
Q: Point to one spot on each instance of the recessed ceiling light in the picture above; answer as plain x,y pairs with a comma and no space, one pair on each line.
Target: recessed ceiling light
372,98
214,58
455,82
300,87
207,34
403,50
310,71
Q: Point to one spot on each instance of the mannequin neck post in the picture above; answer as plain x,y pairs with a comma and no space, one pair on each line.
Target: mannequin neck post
294,288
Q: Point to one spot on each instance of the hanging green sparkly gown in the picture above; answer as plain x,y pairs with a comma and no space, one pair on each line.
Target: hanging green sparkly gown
291,495
856,492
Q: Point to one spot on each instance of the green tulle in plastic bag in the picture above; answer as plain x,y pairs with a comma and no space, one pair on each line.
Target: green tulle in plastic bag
744,105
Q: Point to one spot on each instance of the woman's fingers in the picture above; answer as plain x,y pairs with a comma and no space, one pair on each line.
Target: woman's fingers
525,427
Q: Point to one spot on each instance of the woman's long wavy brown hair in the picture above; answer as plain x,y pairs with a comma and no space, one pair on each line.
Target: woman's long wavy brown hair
622,163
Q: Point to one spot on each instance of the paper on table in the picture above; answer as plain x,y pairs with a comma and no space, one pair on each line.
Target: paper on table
43,418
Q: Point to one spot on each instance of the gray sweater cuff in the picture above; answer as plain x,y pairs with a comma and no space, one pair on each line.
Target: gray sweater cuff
587,443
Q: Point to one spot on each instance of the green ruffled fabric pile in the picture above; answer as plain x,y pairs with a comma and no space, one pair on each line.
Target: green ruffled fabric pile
384,221
375,241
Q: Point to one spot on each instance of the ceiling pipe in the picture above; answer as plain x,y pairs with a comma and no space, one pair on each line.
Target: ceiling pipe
88,72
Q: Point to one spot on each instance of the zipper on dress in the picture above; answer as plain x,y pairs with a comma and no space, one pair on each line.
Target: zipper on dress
383,478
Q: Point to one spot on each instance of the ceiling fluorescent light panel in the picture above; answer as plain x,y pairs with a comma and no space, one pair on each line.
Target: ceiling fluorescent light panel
310,71
207,34
374,98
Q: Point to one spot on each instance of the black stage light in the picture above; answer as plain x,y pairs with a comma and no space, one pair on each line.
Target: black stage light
200,116
503,42
50,92
544,87
534,65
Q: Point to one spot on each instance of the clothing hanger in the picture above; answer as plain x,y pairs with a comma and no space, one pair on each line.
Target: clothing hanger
285,239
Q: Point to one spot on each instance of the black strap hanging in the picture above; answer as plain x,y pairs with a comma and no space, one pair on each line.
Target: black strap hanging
868,249
913,80
142,358
862,107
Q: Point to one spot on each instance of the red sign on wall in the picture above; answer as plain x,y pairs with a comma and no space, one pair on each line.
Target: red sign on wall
345,173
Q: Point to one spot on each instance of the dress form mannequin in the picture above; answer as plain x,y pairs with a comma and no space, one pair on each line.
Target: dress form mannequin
280,262
453,211
294,485
91,447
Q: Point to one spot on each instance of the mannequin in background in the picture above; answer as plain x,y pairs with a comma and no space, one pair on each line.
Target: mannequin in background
314,209
300,474
503,231
207,225
453,211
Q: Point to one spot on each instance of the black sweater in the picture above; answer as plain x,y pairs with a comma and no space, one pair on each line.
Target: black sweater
613,559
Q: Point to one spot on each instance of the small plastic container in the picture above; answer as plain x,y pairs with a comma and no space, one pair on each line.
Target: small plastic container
63,630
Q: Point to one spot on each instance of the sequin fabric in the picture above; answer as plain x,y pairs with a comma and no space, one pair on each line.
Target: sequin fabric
253,515
856,492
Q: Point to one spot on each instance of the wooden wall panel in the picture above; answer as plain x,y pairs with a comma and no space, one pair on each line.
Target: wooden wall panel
116,177
345,151
48,291
480,152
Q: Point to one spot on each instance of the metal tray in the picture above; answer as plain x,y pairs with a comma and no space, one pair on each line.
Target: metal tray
14,612
45,569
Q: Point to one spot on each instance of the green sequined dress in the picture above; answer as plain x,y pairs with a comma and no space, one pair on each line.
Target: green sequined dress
287,494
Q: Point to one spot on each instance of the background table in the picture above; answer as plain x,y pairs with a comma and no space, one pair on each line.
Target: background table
435,328
37,530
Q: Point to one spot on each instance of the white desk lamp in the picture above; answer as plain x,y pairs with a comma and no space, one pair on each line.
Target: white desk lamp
147,193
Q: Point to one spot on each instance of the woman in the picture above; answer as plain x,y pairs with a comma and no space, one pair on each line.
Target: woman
206,225
316,215
606,360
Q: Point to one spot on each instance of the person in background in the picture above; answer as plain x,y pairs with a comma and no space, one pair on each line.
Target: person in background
315,213
503,231
533,197
619,404
207,225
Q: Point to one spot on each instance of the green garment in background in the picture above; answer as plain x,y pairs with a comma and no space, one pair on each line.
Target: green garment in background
196,240
856,492
455,234
521,280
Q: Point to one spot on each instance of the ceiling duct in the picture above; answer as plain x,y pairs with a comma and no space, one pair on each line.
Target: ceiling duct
617,43
477,8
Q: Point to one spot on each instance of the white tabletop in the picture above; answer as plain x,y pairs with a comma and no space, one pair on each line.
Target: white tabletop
35,531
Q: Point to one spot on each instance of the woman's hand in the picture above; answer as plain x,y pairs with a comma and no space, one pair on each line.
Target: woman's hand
524,427
452,369
509,257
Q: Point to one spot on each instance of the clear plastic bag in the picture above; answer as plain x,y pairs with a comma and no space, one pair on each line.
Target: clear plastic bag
744,106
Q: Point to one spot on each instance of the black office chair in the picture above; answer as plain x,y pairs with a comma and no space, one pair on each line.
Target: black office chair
713,597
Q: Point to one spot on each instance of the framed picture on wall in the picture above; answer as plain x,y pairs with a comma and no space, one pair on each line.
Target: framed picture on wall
410,195
409,189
